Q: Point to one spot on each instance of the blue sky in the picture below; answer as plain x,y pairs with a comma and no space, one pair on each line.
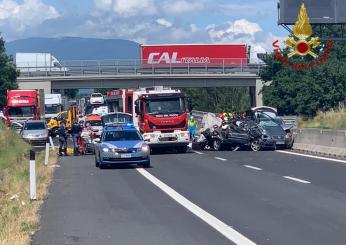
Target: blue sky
145,21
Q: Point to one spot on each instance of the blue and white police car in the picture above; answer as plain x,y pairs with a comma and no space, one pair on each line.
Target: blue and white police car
121,144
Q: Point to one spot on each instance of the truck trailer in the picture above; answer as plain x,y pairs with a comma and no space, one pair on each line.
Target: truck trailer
38,62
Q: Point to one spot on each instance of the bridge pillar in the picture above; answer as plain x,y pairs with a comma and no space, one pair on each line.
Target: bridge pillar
259,96
45,85
252,95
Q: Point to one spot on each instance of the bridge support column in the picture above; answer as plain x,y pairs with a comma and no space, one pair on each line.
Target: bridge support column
45,85
259,96
252,94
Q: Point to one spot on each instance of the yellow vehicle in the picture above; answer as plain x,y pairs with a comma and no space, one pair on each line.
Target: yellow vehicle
69,117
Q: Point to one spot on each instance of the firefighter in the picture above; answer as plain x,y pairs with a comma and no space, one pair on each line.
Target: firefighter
192,124
62,139
76,133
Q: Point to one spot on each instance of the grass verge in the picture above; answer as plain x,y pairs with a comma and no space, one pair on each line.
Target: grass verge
19,216
326,120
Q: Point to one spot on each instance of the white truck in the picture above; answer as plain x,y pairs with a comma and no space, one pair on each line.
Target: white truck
35,62
53,105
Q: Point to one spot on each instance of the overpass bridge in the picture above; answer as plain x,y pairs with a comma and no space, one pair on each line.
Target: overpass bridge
132,74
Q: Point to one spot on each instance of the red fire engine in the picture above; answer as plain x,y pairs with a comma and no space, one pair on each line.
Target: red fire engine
159,113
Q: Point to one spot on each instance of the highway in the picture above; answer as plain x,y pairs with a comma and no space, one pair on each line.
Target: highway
197,198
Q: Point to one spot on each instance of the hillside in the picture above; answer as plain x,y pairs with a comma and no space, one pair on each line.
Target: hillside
75,48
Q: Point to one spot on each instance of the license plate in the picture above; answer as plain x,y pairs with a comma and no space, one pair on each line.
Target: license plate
280,142
167,135
125,156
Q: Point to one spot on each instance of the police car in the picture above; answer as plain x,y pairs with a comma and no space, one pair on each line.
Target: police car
121,144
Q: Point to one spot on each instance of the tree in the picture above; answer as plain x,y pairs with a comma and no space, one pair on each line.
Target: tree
8,73
305,92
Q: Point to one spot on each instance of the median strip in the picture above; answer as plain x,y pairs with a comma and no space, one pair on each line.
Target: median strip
226,230
252,167
297,180
221,159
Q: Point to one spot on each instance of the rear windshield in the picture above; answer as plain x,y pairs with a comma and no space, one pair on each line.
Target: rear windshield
94,123
35,126
117,118
122,135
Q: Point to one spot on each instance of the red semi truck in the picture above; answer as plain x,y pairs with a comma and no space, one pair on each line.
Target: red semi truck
194,54
22,105
159,113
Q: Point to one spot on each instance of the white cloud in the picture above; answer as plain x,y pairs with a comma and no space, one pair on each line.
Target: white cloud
126,8
182,6
24,15
163,22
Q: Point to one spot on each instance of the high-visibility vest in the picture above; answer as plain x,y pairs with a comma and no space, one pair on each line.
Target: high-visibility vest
192,123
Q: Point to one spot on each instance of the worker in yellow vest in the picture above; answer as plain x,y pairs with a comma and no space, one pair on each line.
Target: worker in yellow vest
192,124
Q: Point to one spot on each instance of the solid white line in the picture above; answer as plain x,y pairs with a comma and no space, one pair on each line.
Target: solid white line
221,159
252,167
211,220
296,179
200,153
316,157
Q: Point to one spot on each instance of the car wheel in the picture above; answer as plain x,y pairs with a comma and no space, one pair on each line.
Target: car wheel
182,149
217,145
146,164
97,164
255,145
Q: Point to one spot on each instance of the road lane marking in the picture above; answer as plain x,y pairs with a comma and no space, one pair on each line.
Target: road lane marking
221,159
200,153
298,180
230,233
316,157
252,167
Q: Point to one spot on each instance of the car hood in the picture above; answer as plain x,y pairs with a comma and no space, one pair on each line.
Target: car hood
34,132
123,144
274,130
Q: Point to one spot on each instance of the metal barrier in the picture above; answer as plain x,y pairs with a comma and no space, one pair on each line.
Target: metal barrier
126,67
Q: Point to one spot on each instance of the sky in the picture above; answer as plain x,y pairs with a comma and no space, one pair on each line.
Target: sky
252,22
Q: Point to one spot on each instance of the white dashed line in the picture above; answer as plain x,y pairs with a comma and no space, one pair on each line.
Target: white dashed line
296,179
221,159
252,167
316,157
226,230
200,153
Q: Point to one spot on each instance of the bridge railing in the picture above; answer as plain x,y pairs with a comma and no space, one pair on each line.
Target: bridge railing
126,67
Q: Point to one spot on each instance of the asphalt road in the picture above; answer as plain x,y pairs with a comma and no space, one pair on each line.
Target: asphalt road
268,197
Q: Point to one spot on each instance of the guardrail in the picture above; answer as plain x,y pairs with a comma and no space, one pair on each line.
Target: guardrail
125,67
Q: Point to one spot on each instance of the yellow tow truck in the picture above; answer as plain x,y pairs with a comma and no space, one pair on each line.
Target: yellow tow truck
69,117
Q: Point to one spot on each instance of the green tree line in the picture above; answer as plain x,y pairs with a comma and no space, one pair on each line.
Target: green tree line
8,73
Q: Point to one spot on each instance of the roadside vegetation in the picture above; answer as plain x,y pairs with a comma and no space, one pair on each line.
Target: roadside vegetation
326,120
18,215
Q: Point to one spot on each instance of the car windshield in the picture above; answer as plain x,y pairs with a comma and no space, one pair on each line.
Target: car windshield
117,118
25,111
94,123
124,135
35,126
265,120
52,109
96,95
165,106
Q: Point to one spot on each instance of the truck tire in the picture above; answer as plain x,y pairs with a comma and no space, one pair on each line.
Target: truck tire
182,149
